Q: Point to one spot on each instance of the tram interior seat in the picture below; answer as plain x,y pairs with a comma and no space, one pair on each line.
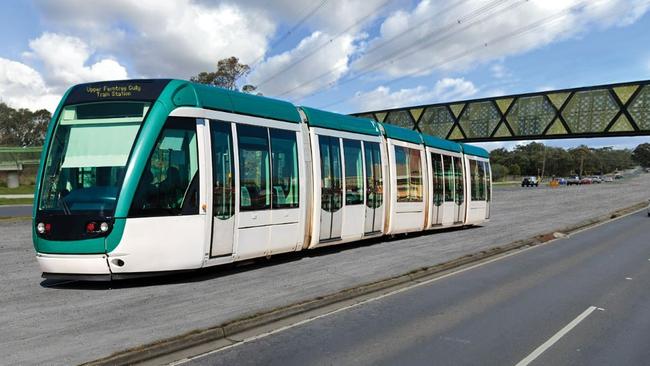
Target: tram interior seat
245,197
278,196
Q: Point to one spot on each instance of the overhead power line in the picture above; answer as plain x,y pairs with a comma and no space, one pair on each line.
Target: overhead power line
442,33
382,44
292,29
320,46
521,31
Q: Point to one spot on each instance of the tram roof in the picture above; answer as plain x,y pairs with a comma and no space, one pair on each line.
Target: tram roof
236,102
438,143
182,93
475,151
402,134
340,122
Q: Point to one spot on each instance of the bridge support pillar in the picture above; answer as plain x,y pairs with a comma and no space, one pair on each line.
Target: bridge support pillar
13,179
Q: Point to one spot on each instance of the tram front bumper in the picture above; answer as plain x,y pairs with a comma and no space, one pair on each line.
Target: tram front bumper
92,266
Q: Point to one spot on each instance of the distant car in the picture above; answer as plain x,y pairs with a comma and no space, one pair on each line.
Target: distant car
608,179
618,176
586,180
530,182
596,180
561,181
575,180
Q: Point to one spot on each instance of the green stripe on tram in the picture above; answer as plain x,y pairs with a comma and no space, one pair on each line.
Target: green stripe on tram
475,151
401,134
340,122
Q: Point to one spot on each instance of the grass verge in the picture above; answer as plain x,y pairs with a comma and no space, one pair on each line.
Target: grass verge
15,201
19,190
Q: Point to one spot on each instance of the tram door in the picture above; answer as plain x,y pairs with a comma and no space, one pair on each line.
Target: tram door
374,188
331,188
459,174
448,206
437,182
488,187
223,188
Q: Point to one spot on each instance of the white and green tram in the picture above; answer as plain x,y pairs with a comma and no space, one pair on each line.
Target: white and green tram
140,177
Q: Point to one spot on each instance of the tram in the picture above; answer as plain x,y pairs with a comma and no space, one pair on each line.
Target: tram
140,177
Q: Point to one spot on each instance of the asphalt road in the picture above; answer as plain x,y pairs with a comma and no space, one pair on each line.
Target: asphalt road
15,211
63,323
495,314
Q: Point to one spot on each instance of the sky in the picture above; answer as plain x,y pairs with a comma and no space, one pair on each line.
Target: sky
345,56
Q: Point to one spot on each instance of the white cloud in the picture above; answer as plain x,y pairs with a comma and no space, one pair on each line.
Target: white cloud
331,62
23,87
165,38
65,61
499,71
444,90
428,38
179,38
332,17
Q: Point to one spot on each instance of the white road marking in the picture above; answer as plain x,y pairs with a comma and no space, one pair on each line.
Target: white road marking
391,293
628,278
415,285
556,337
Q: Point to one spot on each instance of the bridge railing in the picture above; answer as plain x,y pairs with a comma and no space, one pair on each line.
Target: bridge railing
16,157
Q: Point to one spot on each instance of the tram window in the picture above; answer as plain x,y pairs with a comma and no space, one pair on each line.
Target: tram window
401,173
415,176
438,179
374,182
165,187
449,178
284,166
331,182
353,172
474,178
460,181
254,169
409,174
481,181
223,198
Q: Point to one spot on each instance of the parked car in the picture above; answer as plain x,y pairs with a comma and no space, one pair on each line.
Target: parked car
608,179
586,180
596,180
561,181
575,180
530,182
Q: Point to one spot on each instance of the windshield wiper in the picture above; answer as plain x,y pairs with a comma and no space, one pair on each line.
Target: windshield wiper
64,204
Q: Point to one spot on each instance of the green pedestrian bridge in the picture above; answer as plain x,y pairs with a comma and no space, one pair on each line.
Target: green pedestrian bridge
596,111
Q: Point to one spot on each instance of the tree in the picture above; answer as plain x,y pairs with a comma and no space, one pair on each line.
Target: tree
22,127
641,155
499,172
229,71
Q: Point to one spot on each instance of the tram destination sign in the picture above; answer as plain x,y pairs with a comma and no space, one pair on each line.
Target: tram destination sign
117,90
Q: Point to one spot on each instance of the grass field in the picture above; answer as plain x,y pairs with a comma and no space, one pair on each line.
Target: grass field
19,190
15,201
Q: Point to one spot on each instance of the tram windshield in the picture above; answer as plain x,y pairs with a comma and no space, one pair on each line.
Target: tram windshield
88,155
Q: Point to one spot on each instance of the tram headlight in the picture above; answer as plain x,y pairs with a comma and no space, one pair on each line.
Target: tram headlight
43,228
103,227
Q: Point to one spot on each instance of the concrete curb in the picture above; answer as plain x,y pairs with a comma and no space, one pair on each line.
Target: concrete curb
222,331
